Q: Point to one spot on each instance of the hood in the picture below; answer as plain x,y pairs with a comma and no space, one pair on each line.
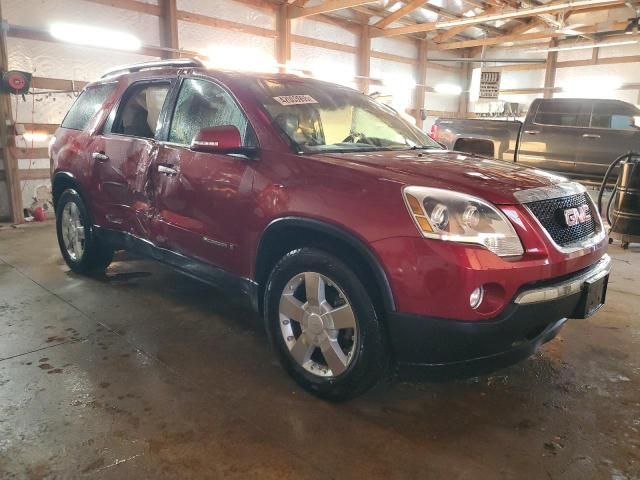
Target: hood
493,180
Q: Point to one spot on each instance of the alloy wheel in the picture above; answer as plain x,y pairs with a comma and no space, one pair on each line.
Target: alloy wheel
318,324
72,229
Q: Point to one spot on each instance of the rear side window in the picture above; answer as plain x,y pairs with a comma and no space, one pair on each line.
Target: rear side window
139,115
87,104
563,114
614,115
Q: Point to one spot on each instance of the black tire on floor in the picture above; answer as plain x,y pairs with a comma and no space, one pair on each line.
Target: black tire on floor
95,257
371,358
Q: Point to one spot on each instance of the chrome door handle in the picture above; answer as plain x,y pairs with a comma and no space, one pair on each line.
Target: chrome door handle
99,156
532,132
590,135
167,170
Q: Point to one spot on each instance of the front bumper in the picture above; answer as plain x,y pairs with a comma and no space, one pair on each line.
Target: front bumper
463,348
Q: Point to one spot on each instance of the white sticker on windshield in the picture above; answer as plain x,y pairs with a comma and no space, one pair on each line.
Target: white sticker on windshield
295,99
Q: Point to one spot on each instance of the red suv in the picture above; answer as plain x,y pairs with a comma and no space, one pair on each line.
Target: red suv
363,243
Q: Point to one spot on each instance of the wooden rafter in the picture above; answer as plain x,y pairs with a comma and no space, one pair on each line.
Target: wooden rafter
401,12
326,7
486,42
482,18
452,32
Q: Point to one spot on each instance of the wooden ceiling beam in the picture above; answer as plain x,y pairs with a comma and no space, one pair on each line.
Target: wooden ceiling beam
452,32
486,42
326,7
401,12
482,18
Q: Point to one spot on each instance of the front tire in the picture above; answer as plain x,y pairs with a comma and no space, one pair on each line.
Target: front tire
81,249
323,325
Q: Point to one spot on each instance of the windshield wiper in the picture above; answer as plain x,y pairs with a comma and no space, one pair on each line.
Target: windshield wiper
426,147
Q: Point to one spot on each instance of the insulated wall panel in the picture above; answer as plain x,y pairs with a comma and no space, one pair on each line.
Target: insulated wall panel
620,51
200,37
599,81
395,46
41,108
399,80
439,101
330,65
512,79
323,31
570,55
230,10
69,62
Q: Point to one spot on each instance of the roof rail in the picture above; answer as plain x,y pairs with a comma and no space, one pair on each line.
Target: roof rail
176,62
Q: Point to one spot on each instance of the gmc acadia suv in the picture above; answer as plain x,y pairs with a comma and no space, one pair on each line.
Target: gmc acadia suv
363,243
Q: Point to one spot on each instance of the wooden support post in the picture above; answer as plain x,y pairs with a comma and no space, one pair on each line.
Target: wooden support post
463,106
421,77
283,36
169,27
550,71
7,140
364,59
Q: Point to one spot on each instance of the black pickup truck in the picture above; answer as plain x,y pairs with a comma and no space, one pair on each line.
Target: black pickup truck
575,137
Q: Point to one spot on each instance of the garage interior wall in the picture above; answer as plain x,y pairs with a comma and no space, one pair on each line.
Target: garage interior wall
325,48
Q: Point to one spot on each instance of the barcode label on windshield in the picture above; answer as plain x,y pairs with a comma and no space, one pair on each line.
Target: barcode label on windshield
295,99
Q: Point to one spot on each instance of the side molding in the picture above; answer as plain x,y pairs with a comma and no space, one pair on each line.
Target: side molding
235,287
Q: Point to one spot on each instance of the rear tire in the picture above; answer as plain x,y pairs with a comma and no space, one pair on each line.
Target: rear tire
323,325
81,249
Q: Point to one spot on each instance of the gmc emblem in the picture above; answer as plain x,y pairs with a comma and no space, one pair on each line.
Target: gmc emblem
577,215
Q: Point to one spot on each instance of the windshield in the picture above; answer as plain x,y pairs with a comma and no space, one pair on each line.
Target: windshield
322,117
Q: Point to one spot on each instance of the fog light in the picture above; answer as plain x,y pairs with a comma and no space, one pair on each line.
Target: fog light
475,299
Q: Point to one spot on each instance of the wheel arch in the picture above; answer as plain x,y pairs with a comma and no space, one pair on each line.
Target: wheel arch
62,181
288,233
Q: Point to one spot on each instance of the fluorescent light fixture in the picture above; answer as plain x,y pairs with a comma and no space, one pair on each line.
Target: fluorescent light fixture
448,89
584,46
35,136
239,58
596,86
94,36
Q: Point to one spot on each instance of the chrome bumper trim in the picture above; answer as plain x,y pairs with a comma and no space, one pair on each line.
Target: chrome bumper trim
550,192
567,287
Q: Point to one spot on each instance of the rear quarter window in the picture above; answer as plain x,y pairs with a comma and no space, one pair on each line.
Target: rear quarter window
85,107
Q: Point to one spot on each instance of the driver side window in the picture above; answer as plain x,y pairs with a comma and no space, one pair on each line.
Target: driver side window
204,104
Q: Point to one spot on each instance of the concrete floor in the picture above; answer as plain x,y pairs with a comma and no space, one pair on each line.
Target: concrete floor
145,373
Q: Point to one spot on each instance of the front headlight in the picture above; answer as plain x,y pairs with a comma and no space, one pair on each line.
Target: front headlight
457,217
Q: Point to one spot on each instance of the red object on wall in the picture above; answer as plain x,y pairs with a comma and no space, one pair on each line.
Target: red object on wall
16,82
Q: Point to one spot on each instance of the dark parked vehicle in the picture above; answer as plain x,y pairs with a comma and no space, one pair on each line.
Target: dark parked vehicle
362,242
576,137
